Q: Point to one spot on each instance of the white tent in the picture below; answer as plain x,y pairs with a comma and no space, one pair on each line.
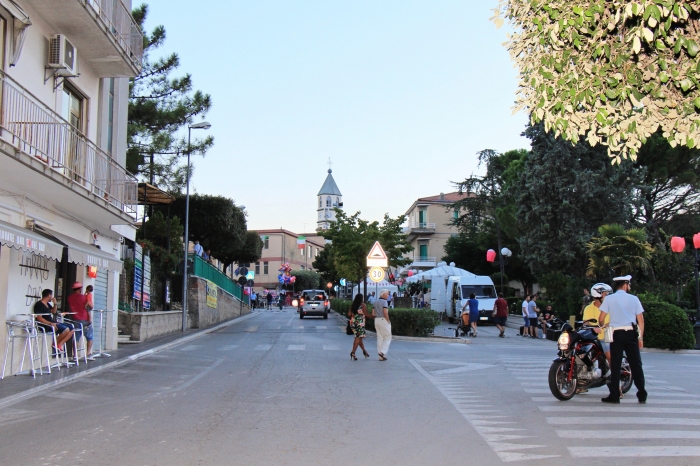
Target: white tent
442,270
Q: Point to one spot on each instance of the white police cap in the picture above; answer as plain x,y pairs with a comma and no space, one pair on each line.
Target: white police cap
625,278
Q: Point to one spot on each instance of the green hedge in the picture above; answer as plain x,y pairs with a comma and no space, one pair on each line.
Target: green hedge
404,322
666,326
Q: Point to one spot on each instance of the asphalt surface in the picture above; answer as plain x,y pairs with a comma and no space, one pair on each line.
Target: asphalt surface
277,390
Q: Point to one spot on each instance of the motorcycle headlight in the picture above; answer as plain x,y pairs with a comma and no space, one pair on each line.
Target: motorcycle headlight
563,342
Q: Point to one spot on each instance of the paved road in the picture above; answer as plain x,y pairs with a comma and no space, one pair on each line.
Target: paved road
275,389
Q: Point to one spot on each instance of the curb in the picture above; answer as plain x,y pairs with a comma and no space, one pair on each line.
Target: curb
433,339
658,350
9,400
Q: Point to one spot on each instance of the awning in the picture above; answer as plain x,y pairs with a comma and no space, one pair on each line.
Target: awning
20,24
26,240
150,195
85,254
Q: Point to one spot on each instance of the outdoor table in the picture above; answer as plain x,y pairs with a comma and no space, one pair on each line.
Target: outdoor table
103,330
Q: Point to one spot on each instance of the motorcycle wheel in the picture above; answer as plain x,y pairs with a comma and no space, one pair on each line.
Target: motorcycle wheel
625,376
561,388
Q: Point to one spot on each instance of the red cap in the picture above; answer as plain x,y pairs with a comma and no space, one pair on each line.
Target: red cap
77,285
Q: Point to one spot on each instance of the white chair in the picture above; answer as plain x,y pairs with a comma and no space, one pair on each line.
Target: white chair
24,331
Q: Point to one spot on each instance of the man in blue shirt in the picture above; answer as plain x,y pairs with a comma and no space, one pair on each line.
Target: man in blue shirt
627,322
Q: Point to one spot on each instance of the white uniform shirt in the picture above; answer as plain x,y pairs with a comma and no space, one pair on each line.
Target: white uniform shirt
622,307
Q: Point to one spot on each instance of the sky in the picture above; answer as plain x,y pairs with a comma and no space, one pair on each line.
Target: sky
400,95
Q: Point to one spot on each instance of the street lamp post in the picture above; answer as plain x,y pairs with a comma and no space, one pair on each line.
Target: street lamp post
696,327
201,125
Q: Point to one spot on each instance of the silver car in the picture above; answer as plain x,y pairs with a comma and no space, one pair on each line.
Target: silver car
314,303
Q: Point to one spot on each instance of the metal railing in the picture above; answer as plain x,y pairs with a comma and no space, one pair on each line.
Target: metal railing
118,20
422,226
203,269
424,259
35,129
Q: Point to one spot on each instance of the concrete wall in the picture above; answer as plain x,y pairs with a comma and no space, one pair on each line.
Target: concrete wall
144,326
201,315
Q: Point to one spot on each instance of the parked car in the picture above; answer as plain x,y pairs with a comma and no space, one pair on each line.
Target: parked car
314,303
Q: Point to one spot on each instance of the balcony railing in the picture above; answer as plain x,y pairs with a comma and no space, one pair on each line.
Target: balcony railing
432,260
38,131
421,226
123,27
203,269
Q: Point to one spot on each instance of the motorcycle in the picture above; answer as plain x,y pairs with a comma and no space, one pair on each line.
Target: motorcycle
582,363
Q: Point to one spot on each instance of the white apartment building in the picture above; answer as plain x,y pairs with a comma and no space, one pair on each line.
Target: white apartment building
66,200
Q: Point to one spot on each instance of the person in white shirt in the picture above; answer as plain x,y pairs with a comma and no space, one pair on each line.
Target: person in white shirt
526,318
627,321
198,249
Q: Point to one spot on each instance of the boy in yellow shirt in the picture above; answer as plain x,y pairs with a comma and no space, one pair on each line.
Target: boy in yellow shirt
599,291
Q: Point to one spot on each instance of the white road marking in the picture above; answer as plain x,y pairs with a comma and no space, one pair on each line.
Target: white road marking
512,446
296,348
660,421
322,327
330,348
621,409
629,434
263,348
508,457
228,347
636,451
254,328
68,395
191,348
629,400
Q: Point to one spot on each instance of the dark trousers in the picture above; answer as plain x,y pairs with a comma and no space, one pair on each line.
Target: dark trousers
626,341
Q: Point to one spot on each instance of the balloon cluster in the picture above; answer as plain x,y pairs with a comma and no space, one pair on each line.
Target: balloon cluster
285,276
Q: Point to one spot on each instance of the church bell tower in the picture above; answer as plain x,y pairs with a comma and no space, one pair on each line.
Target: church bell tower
329,198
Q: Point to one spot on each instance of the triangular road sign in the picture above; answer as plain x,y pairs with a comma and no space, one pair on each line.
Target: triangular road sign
377,256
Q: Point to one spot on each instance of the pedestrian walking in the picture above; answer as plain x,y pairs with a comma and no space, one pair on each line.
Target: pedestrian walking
627,323
382,324
526,317
280,300
268,298
371,298
357,314
253,299
473,304
389,300
500,314
532,311
198,249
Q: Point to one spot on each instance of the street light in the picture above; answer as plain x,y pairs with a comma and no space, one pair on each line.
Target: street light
200,125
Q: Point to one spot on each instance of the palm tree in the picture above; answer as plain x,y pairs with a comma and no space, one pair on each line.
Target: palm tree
618,250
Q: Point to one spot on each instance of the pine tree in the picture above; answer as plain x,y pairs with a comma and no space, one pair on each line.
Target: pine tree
159,107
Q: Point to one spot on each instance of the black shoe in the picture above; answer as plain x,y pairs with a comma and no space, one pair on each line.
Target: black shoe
642,401
610,400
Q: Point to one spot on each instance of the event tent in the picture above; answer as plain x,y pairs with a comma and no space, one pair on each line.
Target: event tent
442,270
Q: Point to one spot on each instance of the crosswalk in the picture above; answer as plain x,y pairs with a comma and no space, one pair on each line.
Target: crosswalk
667,426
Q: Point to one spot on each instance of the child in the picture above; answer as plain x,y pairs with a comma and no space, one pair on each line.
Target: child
90,305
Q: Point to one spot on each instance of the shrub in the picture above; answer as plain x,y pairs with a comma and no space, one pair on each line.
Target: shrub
341,306
413,322
666,326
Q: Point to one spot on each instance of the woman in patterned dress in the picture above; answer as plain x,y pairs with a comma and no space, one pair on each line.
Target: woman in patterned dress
357,313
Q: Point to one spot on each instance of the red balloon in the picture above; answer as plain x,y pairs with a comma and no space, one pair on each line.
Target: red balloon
696,240
490,255
677,244
410,273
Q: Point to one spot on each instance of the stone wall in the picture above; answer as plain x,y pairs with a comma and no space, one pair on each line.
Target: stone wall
201,315
143,326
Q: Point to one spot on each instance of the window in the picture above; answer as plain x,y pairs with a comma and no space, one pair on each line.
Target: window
480,291
328,201
267,243
311,251
257,268
320,202
264,268
422,217
72,109
337,202
456,214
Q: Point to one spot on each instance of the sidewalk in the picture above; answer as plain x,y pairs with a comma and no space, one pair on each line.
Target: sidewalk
14,387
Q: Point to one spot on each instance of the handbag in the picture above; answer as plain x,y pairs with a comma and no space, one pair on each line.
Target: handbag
608,336
348,329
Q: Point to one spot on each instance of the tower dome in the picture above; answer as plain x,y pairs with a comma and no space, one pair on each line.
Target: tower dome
329,198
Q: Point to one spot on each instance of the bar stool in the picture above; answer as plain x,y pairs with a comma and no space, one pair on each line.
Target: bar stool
22,331
79,343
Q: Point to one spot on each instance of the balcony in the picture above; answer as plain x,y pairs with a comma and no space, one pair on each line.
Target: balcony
424,261
64,153
103,31
419,228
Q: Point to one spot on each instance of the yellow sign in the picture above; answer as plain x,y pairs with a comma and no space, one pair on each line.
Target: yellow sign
376,274
212,294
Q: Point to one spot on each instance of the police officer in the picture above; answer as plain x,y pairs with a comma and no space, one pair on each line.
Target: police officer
627,322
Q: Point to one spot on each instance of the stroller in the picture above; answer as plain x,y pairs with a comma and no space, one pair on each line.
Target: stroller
463,327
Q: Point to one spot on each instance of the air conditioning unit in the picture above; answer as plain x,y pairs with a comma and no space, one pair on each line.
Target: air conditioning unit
62,55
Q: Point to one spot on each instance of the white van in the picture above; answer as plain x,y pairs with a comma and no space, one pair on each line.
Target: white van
450,294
